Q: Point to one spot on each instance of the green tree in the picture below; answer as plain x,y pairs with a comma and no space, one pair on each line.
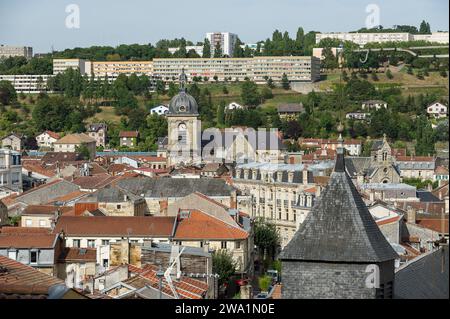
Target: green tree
83,151
206,49
249,93
7,93
267,238
221,113
389,74
424,136
285,82
424,28
218,53
224,265
264,283
173,89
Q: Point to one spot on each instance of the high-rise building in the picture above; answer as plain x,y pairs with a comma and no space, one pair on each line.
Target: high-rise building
226,40
7,51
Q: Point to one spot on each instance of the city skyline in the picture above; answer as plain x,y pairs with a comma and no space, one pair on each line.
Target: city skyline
28,22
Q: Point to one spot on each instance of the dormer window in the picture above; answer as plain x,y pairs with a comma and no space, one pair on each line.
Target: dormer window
279,176
290,177
182,108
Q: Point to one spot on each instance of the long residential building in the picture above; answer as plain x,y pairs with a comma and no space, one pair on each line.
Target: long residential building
27,83
297,68
364,38
7,51
115,68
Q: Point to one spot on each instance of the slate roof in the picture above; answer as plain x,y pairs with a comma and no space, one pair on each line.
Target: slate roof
95,127
426,196
111,194
339,228
175,187
290,108
424,277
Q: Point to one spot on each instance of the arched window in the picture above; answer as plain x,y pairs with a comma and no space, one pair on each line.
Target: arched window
182,132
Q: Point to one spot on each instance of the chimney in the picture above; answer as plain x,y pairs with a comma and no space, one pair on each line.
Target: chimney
411,215
163,205
233,200
318,190
305,176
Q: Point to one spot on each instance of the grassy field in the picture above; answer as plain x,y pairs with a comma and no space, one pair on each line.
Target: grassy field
409,83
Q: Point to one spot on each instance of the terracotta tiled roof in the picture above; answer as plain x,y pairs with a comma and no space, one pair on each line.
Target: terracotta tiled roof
91,182
36,168
388,220
73,254
21,230
204,226
51,134
442,170
311,190
117,168
128,134
27,240
434,224
20,279
44,209
69,197
116,226
186,288
75,139
321,180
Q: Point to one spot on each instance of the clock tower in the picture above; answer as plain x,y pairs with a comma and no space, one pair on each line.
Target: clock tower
184,128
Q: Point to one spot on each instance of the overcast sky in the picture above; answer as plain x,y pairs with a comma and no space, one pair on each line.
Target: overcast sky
41,23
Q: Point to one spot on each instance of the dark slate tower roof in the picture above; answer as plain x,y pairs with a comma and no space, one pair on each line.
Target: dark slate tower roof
339,228
183,103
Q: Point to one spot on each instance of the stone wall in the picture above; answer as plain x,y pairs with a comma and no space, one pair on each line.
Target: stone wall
321,280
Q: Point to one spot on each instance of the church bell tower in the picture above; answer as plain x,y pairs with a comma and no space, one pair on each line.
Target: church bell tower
184,128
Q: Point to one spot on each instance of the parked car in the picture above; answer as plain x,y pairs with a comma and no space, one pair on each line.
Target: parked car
262,295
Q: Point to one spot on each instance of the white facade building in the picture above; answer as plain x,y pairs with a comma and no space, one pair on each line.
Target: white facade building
357,116
234,106
160,110
373,104
10,170
7,51
364,38
197,48
436,37
46,139
27,83
61,65
226,40
437,110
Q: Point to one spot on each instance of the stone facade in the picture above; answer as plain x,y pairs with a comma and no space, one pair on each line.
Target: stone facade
333,280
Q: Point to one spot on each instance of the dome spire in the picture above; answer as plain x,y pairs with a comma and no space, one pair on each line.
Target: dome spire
340,161
183,80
